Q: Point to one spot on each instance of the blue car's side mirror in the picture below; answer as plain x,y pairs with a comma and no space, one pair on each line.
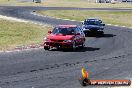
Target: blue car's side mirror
103,24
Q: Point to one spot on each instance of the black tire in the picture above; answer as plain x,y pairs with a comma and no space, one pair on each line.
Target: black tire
46,48
74,46
86,33
101,33
82,45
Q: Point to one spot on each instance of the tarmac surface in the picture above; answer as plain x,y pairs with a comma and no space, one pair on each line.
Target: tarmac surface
108,57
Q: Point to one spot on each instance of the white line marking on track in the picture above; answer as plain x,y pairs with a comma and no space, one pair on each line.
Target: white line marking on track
123,26
13,19
116,25
109,24
30,49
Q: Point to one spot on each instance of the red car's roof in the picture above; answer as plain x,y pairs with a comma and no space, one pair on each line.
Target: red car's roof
67,26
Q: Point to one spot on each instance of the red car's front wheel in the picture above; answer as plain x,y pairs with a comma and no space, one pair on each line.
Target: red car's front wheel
46,48
83,44
74,46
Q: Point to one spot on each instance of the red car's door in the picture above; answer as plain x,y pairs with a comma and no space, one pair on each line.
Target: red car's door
78,37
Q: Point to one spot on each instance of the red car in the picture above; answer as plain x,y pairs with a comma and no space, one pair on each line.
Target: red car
65,36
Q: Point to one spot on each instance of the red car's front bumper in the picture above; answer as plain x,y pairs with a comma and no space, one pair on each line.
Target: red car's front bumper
58,44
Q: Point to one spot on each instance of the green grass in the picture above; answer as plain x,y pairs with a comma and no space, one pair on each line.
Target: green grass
67,3
111,17
13,34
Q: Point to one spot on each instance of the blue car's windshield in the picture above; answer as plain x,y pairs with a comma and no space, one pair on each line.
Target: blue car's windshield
91,22
64,31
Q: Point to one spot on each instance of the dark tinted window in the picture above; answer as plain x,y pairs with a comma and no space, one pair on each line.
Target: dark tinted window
92,22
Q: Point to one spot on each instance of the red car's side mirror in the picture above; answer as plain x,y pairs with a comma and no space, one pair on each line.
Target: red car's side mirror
49,32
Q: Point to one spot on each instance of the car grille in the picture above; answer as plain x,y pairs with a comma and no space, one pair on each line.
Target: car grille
56,40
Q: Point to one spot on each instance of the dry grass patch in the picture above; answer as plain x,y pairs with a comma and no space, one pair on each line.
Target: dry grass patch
120,18
84,4
14,33
67,3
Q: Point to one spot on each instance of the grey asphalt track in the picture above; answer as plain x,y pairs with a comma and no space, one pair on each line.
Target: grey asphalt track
107,57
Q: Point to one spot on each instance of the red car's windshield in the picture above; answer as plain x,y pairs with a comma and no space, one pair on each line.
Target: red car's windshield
64,31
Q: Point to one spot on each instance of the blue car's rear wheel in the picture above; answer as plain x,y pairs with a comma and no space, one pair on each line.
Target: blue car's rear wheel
101,33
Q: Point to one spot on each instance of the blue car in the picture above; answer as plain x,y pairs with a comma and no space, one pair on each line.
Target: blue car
93,27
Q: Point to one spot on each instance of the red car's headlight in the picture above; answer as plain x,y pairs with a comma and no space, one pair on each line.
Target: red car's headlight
46,39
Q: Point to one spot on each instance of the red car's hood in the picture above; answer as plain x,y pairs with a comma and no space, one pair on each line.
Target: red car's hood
60,36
